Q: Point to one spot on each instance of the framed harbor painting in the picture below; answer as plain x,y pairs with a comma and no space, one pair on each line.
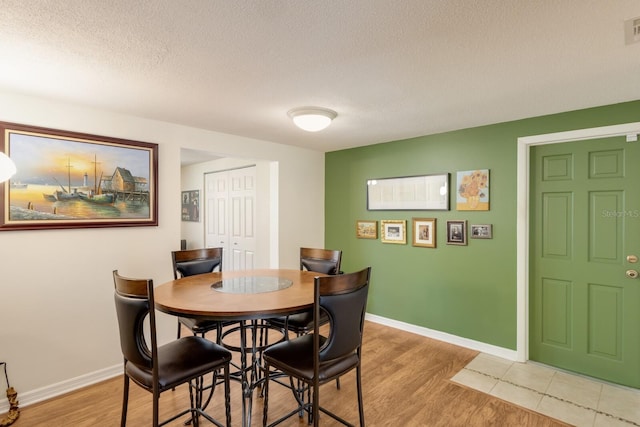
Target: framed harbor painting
73,180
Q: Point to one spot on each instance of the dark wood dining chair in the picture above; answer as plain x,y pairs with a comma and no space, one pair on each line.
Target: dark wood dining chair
315,359
157,369
326,261
190,262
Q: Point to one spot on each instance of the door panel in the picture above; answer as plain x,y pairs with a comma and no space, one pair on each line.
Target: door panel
556,318
557,225
585,214
242,195
231,216
216,227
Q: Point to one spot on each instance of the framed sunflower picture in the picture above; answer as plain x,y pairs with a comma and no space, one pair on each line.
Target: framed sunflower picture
473,190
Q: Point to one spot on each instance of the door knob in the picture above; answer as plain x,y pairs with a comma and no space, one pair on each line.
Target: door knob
632,274
632,259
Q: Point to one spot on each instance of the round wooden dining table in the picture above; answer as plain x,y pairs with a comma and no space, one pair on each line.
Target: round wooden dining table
238,295
242,295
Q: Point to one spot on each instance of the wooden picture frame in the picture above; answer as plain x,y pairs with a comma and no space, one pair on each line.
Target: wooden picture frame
424,232
366,229
190,206
457,232
74,180
422,192
481,231
393,231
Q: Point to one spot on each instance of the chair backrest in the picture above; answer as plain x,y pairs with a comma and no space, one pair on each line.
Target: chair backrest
133,297
196,261
344,299
325,261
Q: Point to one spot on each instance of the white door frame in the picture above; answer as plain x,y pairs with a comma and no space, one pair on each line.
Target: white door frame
631,130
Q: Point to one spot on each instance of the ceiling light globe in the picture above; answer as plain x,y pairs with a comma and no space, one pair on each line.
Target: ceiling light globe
312,119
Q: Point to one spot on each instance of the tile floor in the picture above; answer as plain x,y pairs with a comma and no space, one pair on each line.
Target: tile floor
574,399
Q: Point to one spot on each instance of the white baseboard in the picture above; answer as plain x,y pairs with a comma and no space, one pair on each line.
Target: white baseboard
443,336
53,390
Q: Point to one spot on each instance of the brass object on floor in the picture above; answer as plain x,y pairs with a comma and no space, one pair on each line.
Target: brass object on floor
12,396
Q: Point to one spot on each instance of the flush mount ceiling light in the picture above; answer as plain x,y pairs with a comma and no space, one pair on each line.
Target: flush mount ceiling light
312,119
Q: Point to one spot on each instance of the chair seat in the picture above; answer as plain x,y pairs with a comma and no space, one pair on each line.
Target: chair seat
180,361
286,356
198,326
300,323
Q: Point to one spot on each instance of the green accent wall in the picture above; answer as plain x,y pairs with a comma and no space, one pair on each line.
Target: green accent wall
467,291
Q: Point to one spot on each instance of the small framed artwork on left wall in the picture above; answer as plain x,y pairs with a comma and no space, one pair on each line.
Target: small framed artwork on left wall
191,205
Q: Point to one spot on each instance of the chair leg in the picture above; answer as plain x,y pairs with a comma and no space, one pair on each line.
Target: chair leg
125,401
156,405
359,387
316,403
265,391
227,394
178,336
310,417
219,333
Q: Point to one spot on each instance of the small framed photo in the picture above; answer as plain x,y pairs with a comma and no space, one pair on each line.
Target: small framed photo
456,232
191,205
394,231
366,229
424,232
481,231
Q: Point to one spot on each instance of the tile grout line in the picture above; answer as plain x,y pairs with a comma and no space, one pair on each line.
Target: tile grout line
543,394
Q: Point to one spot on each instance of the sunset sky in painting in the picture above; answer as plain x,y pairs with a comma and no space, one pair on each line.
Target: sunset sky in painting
40,159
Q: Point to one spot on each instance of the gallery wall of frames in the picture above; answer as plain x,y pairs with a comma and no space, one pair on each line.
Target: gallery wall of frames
428,193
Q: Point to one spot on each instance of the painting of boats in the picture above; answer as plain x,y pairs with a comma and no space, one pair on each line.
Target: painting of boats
18,185
97,198
64,195
65,179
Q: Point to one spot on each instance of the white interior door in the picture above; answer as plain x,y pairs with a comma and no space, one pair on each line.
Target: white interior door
230,216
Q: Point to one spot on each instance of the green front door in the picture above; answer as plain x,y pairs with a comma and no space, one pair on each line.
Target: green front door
584,233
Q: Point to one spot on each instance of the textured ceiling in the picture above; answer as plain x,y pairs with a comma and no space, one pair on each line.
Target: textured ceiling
391,69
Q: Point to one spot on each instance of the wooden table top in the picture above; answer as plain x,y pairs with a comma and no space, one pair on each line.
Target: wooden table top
193,296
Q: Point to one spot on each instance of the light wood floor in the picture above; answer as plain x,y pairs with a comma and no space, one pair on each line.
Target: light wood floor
405,382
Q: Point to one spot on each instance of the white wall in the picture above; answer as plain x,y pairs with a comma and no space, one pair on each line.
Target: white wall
57,322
